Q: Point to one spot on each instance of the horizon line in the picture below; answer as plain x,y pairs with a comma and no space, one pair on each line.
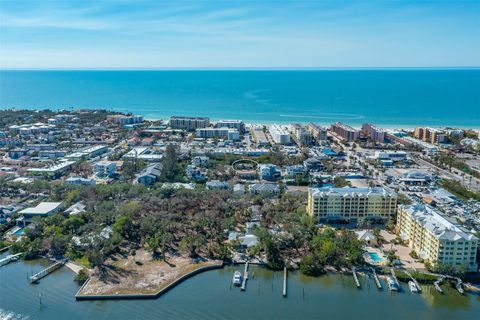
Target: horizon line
242,68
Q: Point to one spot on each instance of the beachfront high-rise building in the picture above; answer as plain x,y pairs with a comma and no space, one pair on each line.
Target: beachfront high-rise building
326,204
374,133
223,133
279,135
124,119
189,123
319,133
430,135
345,132
301,135
436,238
233,124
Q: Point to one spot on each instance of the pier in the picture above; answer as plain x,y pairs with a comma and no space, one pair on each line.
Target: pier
245,278
45,272
414,280
375,277
355,277
284,291
10,258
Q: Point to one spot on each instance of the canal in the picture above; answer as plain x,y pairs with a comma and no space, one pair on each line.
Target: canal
209,296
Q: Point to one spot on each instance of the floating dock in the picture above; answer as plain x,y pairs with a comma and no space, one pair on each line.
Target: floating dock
10,258
245,278
414,280
284,291
45,272
354,273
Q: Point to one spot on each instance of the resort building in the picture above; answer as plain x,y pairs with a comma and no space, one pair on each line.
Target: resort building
373,132
301,135
232,124
318,133
222,133
430,135
123,119
189,123
279,135
329,204
345,132
436,238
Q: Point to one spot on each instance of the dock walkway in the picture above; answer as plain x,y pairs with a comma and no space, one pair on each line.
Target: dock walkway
10,258
45,272
355,277
414,280
375,277
245,278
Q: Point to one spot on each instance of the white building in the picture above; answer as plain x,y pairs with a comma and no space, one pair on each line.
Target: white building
222,133
436,238
279,135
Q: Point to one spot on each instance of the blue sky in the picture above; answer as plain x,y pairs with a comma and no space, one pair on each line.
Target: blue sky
228,34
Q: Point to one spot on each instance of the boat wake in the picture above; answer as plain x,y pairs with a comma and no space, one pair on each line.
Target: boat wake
8,315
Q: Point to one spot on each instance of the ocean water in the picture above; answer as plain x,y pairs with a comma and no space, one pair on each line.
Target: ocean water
389,97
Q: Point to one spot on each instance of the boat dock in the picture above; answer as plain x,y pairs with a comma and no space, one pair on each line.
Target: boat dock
438,283
375,277
10,258
392,271
414,280
46,271
284,291
245,278
355,277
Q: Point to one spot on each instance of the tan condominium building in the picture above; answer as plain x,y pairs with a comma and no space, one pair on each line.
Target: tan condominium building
436,238
330,204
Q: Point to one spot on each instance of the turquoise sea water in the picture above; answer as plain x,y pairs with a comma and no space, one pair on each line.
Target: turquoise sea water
409,97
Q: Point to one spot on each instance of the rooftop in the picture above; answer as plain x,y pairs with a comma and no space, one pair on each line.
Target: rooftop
438,225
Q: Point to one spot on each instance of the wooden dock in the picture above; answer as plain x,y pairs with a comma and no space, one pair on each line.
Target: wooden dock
45,272
284,291
377,281
245,278
414,280
10,258
355,277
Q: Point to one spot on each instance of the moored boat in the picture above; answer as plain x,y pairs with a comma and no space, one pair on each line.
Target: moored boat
412,286
237,278
392,284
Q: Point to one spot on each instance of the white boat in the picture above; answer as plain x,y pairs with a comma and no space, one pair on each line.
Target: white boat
237,278
392,284
412,286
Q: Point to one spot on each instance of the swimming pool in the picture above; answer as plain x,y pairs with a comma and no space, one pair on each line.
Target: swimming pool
375,257
19,232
